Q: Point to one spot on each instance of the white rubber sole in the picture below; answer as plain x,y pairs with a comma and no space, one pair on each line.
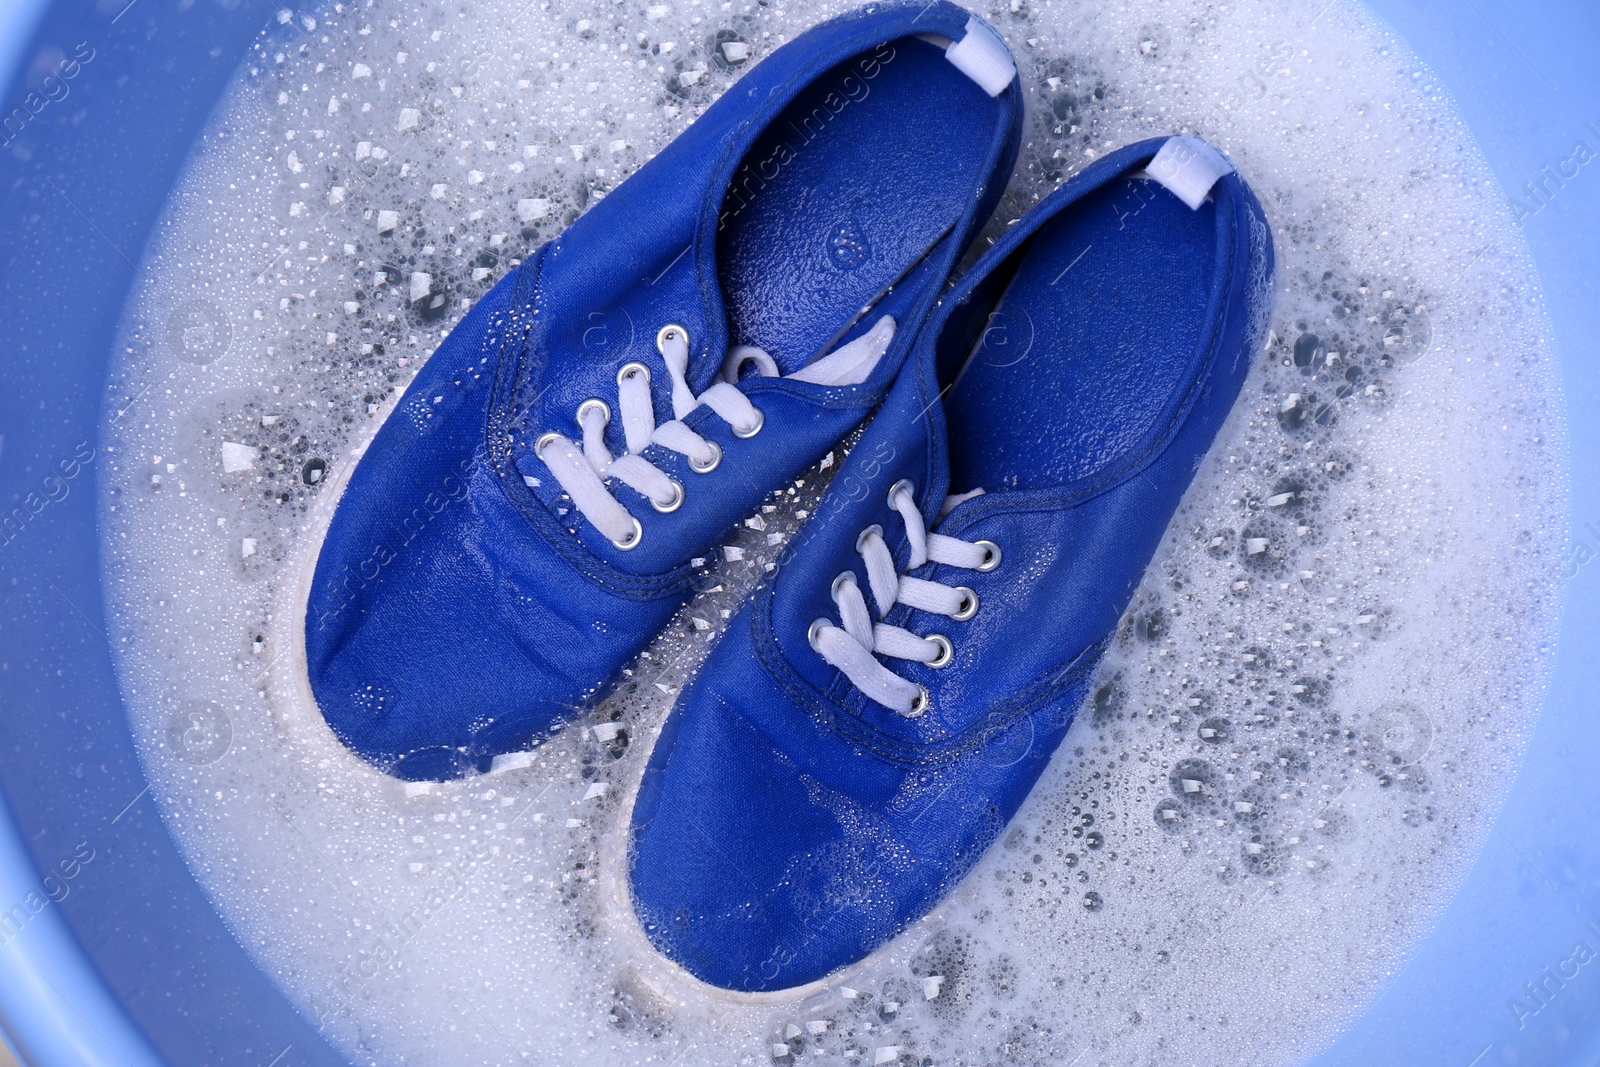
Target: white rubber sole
295,713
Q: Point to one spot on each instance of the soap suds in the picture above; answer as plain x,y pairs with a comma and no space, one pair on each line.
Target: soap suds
1311,711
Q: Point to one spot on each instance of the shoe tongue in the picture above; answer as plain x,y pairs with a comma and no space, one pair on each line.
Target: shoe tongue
849,363
955,500
703,371
907,439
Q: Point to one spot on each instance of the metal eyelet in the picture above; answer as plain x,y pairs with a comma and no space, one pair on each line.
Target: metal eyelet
746,434
811,633
672,505
632,542
716,458
630,369
947,651
838,583
605,411
920,703
544,441
969,604
991,557
862,539
667,333
894,490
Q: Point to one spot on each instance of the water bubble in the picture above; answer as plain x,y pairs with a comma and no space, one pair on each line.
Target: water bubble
1374,620
1196,782
1407,333
1319,868
1253,805
1409,778
1003,977
1171,815
1256,658
1092,901
946,958
1291,761
1310,691
1332,824
1310,354
1265,544
199,733
1403,730
1291,495
616,742
199,331
1258,720
729,49
1260,854
1149,625
432,306
1336,464
1107,700
1006,744
893,996
847,245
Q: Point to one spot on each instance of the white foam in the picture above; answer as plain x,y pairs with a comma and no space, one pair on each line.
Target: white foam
1337,644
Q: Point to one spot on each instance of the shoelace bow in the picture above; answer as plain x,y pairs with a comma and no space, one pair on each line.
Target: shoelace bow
854,647
582,472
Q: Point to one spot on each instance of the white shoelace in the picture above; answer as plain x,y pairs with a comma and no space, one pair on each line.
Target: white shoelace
851,649
581,471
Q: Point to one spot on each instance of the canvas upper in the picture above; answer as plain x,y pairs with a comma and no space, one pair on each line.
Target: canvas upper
789,823
473,592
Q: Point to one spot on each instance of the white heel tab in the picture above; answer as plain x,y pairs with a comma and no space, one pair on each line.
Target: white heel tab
1188,167
982,56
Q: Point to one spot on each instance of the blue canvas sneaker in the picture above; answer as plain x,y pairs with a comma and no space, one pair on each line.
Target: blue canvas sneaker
524,522
876,714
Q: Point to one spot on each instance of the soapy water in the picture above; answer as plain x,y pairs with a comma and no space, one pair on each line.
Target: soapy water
1308,717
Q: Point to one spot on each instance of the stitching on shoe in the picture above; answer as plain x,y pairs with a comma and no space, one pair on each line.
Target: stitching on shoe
497,439
832,711
580,556
896,750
